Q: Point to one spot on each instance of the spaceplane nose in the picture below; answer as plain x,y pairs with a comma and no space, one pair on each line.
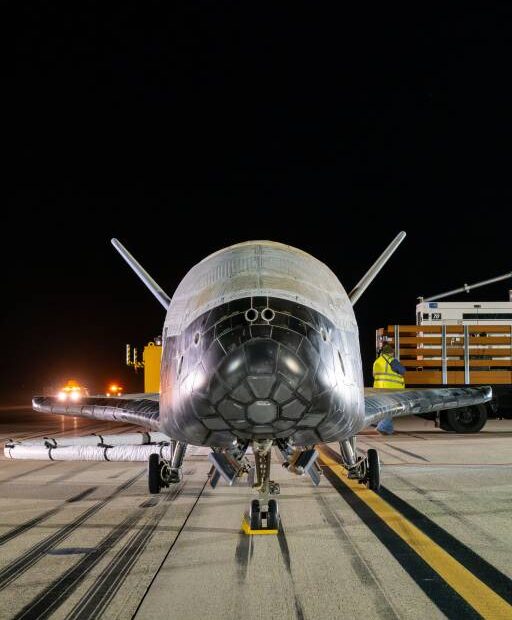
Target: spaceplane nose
261,390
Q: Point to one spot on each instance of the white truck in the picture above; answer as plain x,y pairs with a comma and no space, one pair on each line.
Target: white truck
459,343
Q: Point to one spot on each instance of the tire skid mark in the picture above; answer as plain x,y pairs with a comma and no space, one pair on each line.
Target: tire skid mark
47,601
95,601
152,501
71,474
299,612
376,445
285,553
413,454
127,557
285,550
448,510
116,475
243,555
21,529
13,570
169,551
81,496
26,473
111,577
446,598
360,567
481,568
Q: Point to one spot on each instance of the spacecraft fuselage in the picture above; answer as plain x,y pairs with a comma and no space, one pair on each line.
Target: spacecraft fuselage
260,342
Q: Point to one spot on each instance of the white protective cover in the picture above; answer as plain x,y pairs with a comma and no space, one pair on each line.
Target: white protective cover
128,453
88,440
259,269
95,439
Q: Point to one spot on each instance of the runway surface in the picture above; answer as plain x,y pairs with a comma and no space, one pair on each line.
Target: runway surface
82,540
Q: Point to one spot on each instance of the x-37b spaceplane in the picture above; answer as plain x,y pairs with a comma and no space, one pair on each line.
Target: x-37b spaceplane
261,349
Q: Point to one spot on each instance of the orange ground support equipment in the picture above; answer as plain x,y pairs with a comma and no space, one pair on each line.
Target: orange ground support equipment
451,354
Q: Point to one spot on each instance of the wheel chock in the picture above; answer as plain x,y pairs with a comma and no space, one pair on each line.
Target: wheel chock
246,529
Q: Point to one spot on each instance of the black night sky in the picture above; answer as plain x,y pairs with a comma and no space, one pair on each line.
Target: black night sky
182,128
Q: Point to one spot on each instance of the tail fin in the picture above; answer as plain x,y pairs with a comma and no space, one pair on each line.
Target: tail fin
368,277
157,291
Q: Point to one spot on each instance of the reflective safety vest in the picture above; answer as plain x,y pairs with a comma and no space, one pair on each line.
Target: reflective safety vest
384,376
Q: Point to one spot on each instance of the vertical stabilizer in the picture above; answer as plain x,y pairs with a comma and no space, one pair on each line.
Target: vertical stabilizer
157,291
368,277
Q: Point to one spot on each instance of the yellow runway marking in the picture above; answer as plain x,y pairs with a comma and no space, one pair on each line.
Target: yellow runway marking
486,602
246,528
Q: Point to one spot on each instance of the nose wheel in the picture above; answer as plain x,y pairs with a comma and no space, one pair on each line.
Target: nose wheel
255,515
263,517
273,515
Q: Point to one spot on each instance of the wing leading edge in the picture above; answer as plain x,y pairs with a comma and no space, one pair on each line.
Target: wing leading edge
143,409
380,404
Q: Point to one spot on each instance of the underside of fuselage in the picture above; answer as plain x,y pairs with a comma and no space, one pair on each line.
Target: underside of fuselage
260,368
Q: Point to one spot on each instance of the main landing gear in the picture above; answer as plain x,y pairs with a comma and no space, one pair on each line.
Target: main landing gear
365,470
161,472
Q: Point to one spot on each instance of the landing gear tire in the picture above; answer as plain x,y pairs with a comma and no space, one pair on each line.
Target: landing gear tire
255,515
444,426
466,419
154,477
373,470
273,515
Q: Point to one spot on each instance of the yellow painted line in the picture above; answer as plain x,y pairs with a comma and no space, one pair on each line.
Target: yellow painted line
246,528
484,600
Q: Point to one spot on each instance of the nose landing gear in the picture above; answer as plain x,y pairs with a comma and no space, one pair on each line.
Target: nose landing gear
263,516
366,470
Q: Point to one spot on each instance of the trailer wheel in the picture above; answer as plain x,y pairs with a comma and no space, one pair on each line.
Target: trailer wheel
467,419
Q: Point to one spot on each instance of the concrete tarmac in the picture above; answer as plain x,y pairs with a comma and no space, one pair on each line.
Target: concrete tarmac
82,540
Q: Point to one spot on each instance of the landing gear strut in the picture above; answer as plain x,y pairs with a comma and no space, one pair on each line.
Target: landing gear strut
161,472
365,470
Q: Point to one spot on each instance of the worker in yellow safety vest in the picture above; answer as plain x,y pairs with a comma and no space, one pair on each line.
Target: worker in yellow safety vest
388,374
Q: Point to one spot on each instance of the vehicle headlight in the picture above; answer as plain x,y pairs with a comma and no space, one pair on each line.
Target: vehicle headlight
62,395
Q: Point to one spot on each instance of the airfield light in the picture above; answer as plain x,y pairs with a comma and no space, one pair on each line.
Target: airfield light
114,390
